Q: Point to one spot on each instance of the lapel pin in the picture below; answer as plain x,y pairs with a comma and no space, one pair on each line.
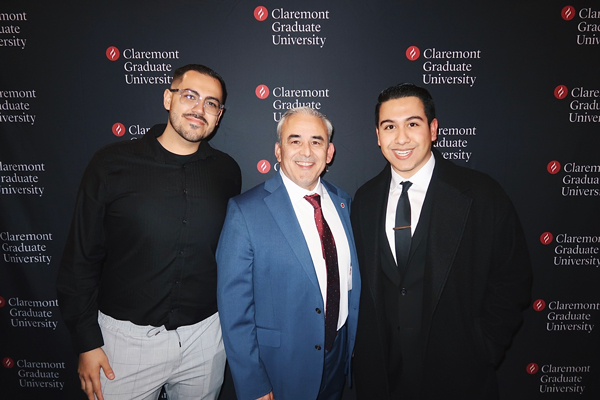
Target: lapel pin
343,205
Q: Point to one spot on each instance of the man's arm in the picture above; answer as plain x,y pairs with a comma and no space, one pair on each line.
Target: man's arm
81,264
78,279
235,297
508,289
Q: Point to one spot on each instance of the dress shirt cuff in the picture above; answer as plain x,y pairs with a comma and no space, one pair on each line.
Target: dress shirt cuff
88,339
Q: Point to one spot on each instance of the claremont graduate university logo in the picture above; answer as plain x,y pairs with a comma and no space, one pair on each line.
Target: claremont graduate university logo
553,167
112,53
261,13
262,92
568,13
263,166
546,238
413,53
8,362
560,92
539,305
532,368
118,129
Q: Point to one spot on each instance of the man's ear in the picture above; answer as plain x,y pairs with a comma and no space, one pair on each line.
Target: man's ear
330,152
278,152
433,127
167,98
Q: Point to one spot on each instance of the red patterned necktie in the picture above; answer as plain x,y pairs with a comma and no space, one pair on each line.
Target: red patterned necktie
333,275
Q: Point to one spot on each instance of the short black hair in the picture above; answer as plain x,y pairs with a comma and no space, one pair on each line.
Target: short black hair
407,90
204,70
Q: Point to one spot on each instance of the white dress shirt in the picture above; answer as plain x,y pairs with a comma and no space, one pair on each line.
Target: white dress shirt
305,213
416,197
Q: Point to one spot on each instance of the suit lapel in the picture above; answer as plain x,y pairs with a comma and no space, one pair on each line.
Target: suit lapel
420,236
449,213
280,206
379,258
342,209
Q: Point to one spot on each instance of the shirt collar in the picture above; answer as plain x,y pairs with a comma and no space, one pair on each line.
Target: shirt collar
297,192
204,149
419,180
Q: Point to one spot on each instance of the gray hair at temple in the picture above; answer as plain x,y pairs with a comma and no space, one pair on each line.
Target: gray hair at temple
306,111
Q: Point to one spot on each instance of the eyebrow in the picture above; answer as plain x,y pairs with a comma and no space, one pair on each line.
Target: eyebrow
407,119
198,94
295,136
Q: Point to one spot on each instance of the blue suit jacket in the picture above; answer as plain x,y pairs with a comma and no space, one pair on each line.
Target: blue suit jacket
269,298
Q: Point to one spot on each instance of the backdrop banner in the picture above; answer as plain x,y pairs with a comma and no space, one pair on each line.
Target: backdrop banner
517,90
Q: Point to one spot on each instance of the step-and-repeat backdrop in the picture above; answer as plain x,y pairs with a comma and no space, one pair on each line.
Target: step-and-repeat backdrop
516,84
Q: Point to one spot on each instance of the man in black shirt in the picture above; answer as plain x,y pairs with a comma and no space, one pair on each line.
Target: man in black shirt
137,281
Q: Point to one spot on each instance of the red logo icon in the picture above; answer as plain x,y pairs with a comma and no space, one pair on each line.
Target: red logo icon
560,92
263,166
261,13
118,129
568,13
412,53
112,53
546,238
262,92
8,362
532,368
2,302
553,167
539,305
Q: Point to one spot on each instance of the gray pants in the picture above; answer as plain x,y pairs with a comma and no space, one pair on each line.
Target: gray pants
188,361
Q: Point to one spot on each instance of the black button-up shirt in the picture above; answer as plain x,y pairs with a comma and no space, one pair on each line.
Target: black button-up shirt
142,242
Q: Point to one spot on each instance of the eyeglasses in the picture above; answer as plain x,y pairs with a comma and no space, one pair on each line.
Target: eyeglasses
191,98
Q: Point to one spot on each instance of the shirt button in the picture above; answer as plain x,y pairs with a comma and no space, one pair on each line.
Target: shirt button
403,292
184,191
318,310
318,347
185,221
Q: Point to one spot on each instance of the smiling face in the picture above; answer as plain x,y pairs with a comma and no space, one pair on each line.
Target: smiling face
187,126
404,135
304,150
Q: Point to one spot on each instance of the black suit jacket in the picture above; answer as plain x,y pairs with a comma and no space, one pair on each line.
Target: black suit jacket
477,281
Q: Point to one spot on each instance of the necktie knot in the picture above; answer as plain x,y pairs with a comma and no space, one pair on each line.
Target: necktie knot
405,186
314,199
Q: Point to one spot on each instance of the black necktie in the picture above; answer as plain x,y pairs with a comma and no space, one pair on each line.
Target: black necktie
402,228
332,310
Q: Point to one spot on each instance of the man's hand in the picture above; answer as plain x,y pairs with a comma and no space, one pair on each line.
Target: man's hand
90,363
268,396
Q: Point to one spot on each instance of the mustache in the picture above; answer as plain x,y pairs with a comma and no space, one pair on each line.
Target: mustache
197,116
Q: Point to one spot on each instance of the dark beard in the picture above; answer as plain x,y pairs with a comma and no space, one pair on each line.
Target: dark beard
185,134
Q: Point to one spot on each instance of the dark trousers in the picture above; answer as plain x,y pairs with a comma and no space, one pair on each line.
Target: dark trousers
332,383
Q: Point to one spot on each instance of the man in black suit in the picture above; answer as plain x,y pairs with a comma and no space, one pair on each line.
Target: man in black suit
445,267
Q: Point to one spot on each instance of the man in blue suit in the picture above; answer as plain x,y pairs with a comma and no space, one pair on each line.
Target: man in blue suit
288,283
